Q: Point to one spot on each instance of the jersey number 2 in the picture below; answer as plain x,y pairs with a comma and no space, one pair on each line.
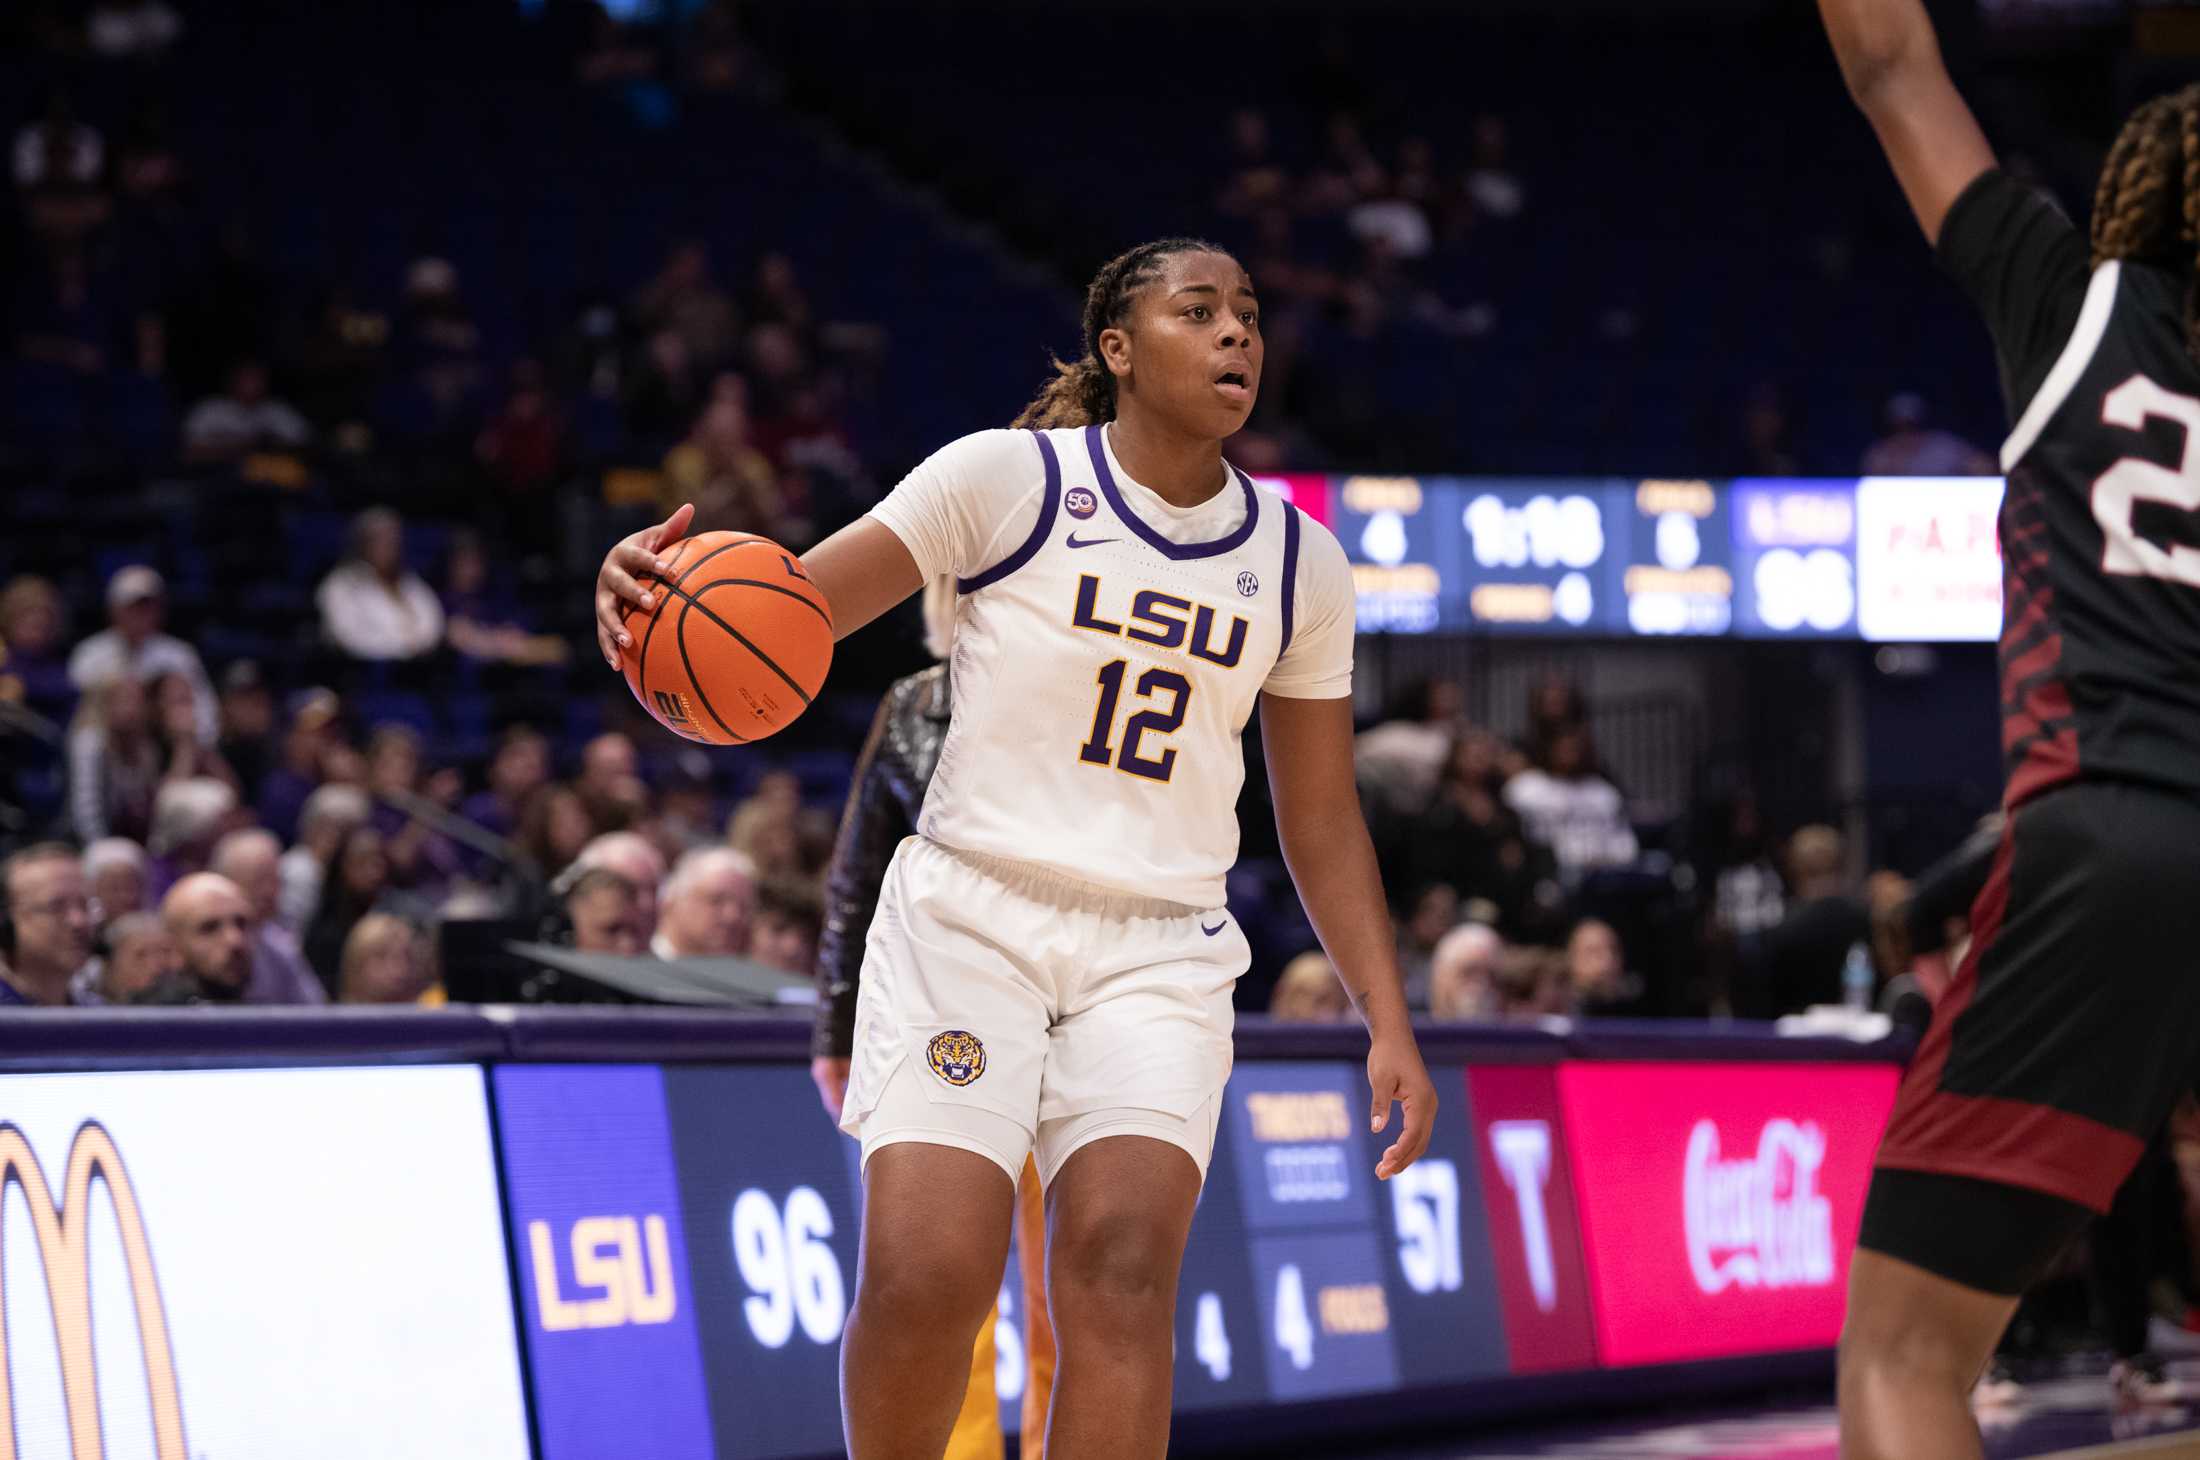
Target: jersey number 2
2131,481
1151,686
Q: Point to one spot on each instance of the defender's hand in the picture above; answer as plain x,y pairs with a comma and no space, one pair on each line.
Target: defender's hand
618,581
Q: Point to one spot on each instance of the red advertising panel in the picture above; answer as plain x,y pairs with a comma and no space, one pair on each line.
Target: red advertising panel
1535,1242
1305,490
1719,1202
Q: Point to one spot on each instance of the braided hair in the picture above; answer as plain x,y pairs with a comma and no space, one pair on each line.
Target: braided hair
2147,207
1082,393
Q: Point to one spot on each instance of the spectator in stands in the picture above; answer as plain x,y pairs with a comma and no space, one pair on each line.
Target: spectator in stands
1913,447
358,878
312,735
374,607
58,153
419,856
246,417
48,932
719,469
189,817
116,870
519,768
132,29
768,830
606,913
1532,984
776,297
1463,974
184,756
247,718
33,625
67,314
1308,991
1492,185
609,784
684,298
523,444
440,347
688,815
633,857
331,814
1468,837
384,962
790,915
1596,971
1556,705
212,925
1748,896
553,828
1382,219
716,52
1402,757
141,956
614,52
114,762
1434,911
1564,804
1257,183
709,903
251,859
337,367
1767,437
483,623
133,644
665,389
1799,962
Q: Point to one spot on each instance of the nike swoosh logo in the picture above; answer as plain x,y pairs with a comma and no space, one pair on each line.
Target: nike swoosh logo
1074,541
1218,927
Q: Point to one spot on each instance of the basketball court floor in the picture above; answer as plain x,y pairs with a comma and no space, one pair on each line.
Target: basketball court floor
2063,1418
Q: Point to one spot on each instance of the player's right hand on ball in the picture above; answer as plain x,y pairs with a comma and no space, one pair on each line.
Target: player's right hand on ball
618,581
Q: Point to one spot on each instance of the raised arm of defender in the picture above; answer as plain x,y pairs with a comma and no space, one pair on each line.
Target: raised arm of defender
1891,60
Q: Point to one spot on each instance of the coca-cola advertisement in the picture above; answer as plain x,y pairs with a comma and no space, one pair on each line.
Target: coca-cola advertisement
1719,1202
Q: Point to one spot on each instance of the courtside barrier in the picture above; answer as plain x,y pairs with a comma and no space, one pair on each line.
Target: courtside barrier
593,1232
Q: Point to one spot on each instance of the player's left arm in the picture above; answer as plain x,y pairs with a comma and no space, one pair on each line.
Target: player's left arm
1890,59
1332,860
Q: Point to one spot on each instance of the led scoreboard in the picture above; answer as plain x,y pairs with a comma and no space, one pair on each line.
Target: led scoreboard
1881,558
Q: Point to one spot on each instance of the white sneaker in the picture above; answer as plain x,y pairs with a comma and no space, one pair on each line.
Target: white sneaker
1998,1387
2143,1379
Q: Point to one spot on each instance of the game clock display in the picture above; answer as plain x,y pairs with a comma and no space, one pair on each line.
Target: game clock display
1877,559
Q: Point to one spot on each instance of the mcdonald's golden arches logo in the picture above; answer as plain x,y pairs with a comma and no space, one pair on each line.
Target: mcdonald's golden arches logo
61,1229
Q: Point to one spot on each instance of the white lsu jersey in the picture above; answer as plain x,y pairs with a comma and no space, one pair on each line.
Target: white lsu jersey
1109,648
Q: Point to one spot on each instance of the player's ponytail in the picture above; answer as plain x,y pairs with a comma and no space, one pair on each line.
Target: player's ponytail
2147,207
1082,392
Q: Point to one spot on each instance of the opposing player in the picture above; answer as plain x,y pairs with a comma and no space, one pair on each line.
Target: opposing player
1050,965
2072,1023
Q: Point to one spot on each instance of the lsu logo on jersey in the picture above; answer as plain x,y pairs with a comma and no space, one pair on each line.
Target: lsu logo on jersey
1081,503
956,1056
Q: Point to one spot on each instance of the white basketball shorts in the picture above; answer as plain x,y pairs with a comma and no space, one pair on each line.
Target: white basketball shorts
1008,1010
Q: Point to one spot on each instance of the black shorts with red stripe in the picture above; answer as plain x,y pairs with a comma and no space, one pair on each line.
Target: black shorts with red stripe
2072,1027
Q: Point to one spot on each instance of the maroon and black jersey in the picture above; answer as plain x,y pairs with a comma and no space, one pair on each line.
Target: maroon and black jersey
2100,524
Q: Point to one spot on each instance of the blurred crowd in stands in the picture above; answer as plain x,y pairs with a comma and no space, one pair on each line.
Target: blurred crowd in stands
313,728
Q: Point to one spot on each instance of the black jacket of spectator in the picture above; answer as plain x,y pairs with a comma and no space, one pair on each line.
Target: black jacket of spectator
890,780
1798,963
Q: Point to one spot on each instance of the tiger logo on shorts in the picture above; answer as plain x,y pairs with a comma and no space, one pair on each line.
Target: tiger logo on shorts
956,1056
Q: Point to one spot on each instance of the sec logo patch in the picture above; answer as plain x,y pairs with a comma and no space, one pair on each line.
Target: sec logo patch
956,1056
1248,584
1081,503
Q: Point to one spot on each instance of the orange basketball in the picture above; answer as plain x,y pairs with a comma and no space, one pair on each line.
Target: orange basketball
738,643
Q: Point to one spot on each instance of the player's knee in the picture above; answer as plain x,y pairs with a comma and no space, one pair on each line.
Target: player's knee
1917,1350
936,1293
1113,1267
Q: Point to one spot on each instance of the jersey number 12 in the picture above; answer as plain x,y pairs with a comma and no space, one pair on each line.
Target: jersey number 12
1152,685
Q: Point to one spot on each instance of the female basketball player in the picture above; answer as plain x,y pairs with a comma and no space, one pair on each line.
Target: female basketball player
1050,965
2071,1026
